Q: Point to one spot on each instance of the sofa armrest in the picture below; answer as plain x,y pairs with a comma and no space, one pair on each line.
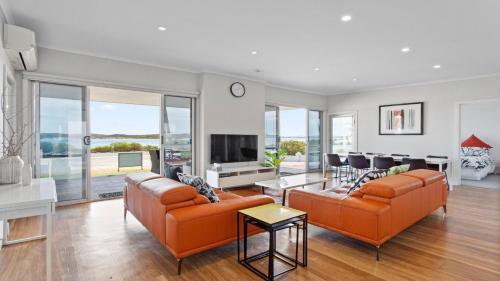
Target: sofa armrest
196,228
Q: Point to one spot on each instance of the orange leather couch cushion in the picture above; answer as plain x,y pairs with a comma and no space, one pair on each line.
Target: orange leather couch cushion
169,191
426,176
391,186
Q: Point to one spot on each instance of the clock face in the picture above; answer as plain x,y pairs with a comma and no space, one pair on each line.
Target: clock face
237,89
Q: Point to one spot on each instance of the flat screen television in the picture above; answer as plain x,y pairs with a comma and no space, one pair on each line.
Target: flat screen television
233,148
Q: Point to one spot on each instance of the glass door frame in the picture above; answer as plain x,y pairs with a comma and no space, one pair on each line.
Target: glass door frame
354,115
36,157
321,139
194,157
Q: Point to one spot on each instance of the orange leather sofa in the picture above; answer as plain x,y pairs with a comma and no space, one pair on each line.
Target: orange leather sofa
184,221
378,210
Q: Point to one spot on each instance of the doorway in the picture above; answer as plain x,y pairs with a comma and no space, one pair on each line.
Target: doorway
343,133
296,131
479,152
124,135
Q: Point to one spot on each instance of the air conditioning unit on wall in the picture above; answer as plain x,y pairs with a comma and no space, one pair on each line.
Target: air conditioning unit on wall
20,45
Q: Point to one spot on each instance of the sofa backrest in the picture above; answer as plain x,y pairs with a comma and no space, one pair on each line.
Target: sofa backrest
398,185
168,191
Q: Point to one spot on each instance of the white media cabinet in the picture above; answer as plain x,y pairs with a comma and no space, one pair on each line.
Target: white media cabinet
239,176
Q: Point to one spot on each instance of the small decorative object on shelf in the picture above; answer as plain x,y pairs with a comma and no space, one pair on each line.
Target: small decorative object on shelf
10,169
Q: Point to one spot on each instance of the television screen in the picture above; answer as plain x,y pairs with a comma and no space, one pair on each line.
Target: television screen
233,148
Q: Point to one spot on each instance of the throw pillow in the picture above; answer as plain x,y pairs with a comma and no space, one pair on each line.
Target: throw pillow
173,171
398,169
201,186
366,177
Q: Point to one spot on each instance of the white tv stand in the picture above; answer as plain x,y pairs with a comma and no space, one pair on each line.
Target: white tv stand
239,176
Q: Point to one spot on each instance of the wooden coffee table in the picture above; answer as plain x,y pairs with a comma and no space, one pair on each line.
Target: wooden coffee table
272,218
289,182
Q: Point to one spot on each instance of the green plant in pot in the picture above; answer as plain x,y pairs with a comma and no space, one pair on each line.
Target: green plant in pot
274,159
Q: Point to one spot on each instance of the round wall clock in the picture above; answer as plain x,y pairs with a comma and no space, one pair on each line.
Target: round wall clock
237,89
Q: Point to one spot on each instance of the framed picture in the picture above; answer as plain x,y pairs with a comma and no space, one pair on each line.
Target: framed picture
401,119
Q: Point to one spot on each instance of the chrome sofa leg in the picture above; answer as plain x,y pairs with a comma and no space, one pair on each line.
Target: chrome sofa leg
444,208
378,252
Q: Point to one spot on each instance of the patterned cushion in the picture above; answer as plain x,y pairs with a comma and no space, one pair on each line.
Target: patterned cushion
366,177
398,169
201,186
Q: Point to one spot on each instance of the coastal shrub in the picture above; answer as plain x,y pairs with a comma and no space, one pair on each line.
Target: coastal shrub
102,149
150,147
291,147
123,147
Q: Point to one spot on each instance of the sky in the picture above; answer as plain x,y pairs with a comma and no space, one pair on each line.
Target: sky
293,122
119,118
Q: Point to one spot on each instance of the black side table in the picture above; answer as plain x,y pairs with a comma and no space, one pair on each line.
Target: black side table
272,218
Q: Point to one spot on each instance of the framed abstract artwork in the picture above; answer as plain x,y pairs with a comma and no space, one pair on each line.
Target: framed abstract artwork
401,119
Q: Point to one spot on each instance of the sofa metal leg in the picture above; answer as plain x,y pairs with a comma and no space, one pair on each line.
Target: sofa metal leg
179,266
378,252
447,182
444,208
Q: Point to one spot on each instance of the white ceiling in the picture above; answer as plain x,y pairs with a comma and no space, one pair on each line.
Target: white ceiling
292,37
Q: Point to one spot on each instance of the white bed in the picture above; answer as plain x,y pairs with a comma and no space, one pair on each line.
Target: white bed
477,163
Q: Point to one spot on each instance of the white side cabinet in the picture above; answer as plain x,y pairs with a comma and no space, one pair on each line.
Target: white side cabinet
239,176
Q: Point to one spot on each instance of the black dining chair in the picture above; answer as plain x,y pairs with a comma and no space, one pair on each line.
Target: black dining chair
358,162
415,163
399,155
435,167
383,163
355,152
333,160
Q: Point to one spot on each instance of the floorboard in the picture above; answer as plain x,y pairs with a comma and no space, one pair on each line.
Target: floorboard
93,242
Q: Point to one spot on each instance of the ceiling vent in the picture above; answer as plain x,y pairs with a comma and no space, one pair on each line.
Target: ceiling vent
20,46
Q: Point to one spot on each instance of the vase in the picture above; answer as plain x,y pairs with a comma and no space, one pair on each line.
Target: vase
10,169
27,174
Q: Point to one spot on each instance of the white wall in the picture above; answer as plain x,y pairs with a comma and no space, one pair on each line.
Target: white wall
483,120
281,96
440,101
222,113
109,71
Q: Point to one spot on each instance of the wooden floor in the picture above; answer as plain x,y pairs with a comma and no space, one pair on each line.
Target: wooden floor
93,242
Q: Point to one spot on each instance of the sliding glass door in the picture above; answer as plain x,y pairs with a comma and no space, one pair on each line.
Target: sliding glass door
61,139
297,131
178,134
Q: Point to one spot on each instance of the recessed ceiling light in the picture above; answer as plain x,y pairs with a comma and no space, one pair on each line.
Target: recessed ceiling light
162,28
253,52
316,69
437,66
346,18
354,79
405,49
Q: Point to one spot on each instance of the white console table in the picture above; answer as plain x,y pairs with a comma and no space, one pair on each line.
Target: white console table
37,199
239,176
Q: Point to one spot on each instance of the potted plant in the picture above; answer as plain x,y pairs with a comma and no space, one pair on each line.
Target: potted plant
274,159
11,164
